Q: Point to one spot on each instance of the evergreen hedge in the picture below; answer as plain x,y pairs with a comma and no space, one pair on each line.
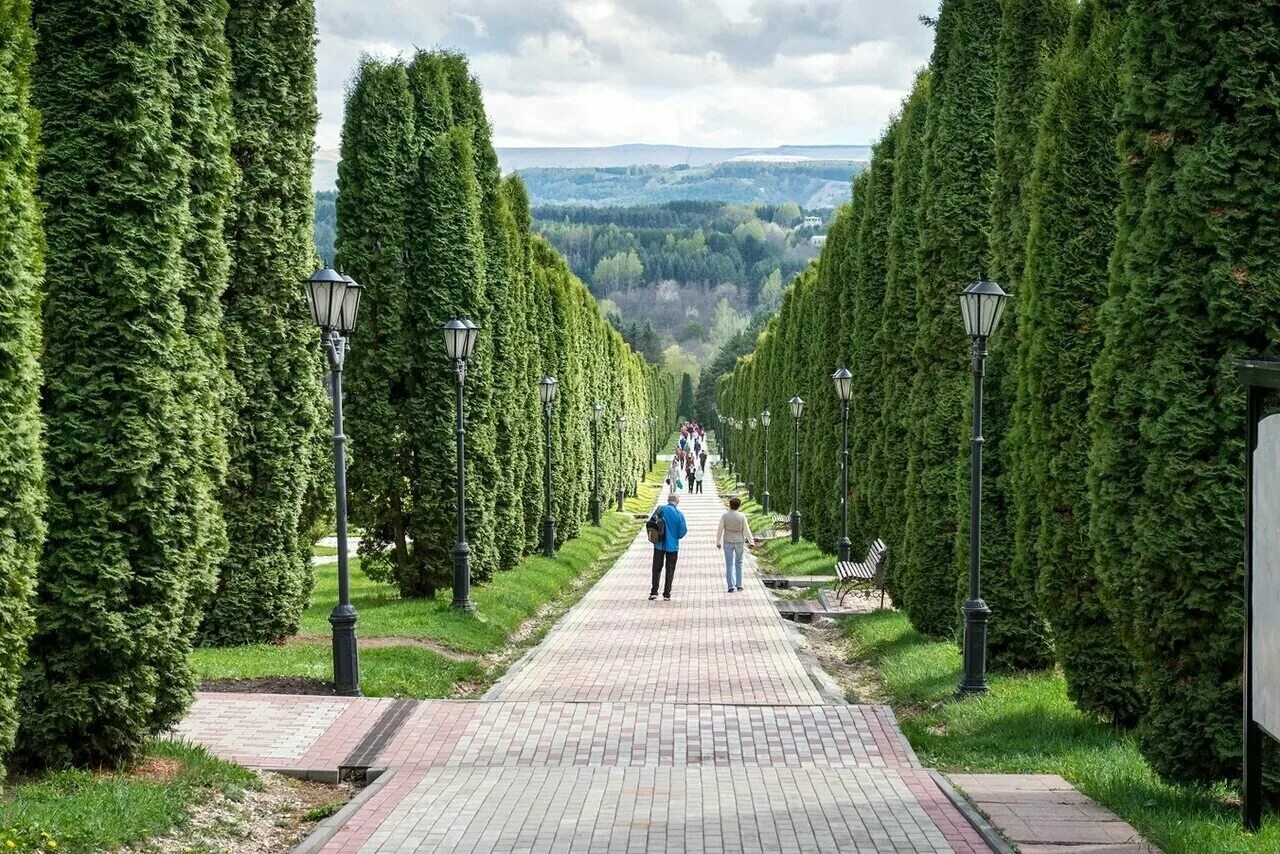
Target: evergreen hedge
22,498
1072,199
112,599
275,401
1193,288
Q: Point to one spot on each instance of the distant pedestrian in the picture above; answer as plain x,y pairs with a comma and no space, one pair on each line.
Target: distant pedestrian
673,474
666,527
734,535
702,459
698,475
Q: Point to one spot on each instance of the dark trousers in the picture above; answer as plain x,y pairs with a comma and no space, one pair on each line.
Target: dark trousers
660,558
697,486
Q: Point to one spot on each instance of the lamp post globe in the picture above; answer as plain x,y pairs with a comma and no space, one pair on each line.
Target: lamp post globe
844,390
547,394
797,409
982,305
597,413
334,301
459,342
622,494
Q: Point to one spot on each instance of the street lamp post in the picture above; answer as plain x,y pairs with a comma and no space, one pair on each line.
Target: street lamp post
547,394
334,300
765,418
844,390
597,412
983,305
797,409
622,494
459,340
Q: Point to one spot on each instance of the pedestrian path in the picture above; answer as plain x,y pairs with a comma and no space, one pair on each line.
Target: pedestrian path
689,725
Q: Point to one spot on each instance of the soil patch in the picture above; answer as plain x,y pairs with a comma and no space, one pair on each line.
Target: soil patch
830,646
156,768
274,818
270,685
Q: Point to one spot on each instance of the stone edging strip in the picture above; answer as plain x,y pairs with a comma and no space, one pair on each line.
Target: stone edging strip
988,833
326,829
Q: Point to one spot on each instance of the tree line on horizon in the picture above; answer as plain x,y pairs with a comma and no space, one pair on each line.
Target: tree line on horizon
1114,166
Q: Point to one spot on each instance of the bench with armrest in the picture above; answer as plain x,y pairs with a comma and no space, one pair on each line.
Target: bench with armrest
866,575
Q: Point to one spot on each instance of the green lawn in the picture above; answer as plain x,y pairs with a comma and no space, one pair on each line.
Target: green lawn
440,646
1028,725
95,811
324,551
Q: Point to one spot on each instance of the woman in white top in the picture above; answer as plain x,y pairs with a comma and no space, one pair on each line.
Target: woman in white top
734,534
674,474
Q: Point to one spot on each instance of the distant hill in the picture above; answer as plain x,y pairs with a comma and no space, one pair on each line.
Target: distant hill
522,160
809,184
519,159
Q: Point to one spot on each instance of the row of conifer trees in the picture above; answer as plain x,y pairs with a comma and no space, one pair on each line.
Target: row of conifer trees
159,379
166,463
428,224
1114,165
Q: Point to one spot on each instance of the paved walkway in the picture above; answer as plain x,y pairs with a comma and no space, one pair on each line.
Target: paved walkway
689,725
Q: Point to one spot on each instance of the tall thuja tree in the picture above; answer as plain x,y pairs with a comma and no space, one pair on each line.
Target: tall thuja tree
446,250
374,178
202,128
275,398
866,514
685,407
896,335
21,266
112,596
1072,201
1192,277
953,245
1031,32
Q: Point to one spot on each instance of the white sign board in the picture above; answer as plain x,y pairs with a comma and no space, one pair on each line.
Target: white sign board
1265,680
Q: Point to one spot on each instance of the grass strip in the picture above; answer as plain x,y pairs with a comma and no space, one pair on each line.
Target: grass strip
95,811
1028,725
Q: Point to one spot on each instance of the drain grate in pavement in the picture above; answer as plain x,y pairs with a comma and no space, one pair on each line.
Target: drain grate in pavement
387,726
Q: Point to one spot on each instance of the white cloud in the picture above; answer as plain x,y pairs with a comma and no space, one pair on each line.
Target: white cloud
692,72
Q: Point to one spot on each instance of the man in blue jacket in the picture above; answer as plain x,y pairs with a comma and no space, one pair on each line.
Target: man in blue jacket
667,549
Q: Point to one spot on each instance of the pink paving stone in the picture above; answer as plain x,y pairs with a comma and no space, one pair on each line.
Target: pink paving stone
689,725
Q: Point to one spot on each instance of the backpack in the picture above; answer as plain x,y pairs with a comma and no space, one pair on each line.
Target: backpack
656,527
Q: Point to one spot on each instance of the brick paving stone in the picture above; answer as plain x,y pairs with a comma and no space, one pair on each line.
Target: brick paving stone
1041,812
635,726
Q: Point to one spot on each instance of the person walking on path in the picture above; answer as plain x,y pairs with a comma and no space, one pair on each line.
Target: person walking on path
674,474
667,547
698,475
702,459
734,535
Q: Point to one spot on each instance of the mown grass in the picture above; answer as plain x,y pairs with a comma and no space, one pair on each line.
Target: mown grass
96,811
427,649
1026,724
324,551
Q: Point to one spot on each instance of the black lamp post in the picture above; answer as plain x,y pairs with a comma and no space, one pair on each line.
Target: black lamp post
797,409
335,302
459,340
622,493
765,418
844,390
983,304
547,394
597,412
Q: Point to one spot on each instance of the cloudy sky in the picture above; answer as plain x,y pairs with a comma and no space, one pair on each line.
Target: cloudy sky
687,72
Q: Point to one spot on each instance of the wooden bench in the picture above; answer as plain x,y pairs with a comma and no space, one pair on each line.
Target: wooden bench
866,575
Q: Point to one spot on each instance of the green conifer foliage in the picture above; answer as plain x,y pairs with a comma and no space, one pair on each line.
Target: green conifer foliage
201,127
953,244
685,408
275,397
112,596
866,302
1193,288
1073,195
21,266
896,335
375,176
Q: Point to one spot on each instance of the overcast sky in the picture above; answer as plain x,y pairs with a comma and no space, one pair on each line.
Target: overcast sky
687,72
